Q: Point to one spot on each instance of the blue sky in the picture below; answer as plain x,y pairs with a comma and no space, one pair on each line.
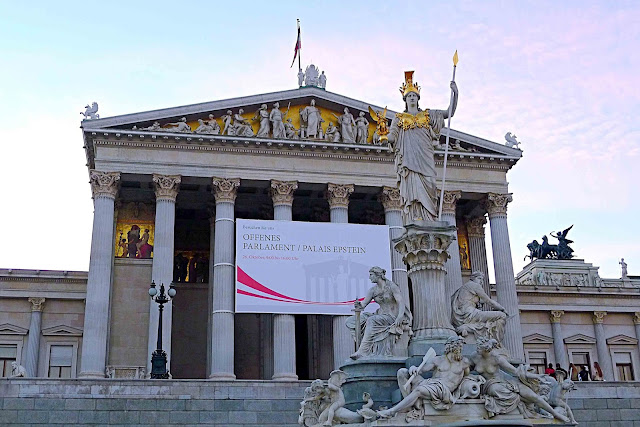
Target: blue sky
563,76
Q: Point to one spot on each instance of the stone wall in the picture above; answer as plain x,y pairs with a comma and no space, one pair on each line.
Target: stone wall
230,403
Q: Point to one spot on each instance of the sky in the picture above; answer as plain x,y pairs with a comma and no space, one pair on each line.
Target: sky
563,76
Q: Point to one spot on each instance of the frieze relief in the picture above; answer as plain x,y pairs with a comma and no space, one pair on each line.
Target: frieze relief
283,121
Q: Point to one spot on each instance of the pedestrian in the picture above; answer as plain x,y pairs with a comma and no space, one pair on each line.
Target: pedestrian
598,376
583,375
573,369
550,371
561,371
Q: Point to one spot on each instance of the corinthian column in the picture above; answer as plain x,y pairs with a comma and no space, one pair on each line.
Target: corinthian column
104,186
478,249
503,266
558,340
284,325
601,346
390,199
343,343
222,317
166,189
424,250
33,341
453,279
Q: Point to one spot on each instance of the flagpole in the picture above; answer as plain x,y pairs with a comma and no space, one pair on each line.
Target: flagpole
300,49
446,144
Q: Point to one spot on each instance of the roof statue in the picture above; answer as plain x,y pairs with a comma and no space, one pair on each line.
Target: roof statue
312,77
512,141
91,111
547,251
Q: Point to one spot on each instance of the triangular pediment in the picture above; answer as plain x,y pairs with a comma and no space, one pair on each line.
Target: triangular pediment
579,339
9,329
156,123
537,339
622,340
62,330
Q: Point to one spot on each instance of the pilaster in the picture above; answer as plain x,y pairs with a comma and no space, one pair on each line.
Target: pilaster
636,324
222,328
503,266
104,186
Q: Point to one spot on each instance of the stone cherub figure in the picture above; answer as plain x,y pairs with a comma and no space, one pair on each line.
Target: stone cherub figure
467,317
381,330
17,370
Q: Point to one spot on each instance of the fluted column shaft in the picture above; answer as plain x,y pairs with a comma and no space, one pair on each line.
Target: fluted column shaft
212,247
33,340
222,316
478,249
558,340
503,266
96,320
343,343
390,199
636,323
453,279
166,190
604,358
424,250
284,325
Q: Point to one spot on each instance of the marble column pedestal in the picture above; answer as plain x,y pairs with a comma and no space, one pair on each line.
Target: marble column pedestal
423,247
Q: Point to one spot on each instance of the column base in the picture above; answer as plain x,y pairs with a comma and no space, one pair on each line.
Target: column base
285,377
91,374
222,376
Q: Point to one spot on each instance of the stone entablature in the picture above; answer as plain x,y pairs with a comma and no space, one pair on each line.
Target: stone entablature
566,274
43,284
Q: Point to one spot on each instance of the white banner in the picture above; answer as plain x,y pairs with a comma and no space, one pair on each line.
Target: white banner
306,267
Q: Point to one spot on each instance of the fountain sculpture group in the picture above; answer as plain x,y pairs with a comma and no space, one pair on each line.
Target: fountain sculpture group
444,380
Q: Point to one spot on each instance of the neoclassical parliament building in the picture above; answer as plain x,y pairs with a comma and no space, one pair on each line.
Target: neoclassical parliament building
167,188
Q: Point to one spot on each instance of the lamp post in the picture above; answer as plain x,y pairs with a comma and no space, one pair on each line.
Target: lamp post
159,356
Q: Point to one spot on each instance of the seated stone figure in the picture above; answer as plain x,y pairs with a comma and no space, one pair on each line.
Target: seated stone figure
442,390
381,330
467,317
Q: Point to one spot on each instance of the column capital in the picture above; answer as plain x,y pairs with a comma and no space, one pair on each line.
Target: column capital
37,303
555,315
449,201
282,192
225,189
636,318
475,226
390,199
338,195
598,316
425,247
167,186
104,184
497,203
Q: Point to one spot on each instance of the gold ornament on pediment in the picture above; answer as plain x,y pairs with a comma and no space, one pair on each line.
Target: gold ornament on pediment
409,121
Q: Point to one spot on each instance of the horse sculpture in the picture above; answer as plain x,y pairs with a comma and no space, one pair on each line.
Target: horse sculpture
91,112
541,251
